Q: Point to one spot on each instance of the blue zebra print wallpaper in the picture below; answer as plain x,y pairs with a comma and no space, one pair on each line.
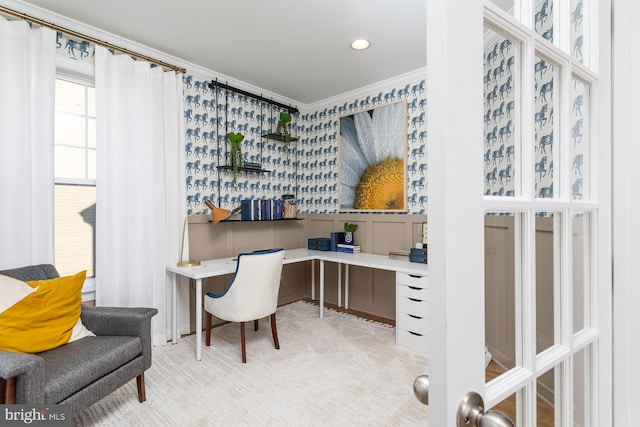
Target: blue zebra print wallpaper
78,50
501,149
499,118
307,168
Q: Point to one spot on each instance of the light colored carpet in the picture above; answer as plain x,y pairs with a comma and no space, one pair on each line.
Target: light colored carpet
342,370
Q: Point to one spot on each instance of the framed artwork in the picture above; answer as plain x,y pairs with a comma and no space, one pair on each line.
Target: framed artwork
372,156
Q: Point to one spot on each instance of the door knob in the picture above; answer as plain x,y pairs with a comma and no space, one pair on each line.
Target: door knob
471,413
421,389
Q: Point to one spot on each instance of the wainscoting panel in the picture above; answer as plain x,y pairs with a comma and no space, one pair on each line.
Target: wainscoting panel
361,290
500,289
321,225
383,290
388,236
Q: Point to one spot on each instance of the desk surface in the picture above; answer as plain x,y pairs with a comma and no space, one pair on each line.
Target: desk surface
222,266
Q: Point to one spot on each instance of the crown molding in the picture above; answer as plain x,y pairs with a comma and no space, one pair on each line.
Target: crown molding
364,91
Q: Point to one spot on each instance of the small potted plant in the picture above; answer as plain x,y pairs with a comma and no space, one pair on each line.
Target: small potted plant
235,152
283,130
349,230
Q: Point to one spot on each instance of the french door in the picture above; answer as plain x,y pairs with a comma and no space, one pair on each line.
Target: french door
519,209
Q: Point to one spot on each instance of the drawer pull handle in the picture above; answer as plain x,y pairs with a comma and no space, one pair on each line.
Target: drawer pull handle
415,300
415,288
415,317
415,333
415,276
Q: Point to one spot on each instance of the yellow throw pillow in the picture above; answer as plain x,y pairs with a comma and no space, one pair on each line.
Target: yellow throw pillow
44,319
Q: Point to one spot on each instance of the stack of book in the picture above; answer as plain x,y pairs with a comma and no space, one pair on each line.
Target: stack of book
349,249
261,209
399,254
252,165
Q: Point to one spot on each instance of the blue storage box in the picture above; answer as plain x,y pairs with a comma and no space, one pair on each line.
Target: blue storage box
418,255
336,239
319,243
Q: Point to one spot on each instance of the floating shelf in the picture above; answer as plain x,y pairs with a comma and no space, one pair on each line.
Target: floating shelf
277,137
254,170
261,220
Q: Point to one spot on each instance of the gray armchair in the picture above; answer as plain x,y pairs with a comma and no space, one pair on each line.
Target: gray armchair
81,372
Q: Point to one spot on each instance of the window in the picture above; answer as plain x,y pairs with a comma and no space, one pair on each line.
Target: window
75,179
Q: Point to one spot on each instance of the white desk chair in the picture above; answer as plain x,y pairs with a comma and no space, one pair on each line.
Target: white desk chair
251,295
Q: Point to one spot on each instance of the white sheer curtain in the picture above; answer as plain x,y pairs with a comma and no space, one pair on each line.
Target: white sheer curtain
140,188
27,88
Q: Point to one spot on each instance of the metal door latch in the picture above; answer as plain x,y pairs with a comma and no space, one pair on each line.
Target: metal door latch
471,413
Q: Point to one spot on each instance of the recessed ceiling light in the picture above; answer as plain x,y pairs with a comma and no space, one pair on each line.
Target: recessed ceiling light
360,44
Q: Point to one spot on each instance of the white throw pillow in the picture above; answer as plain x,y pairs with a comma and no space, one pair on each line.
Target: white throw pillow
12,291
80,331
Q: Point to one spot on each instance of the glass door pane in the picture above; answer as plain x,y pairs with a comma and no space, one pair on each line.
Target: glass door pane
546,76
543,18
501,295
546,396
580,141
510,406
582,404
581,270
506,5
547,281
577,30
502,111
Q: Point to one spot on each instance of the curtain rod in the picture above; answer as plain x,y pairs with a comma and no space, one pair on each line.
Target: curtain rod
216,83
89,38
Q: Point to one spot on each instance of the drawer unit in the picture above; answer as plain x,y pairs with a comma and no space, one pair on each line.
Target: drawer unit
411,280
412,306
411,311
412,292
412,340
411,322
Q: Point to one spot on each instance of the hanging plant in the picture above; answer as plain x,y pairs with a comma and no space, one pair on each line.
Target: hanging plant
235,152
283,130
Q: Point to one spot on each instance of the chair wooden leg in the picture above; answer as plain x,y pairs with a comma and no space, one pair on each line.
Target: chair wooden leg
244,345
142,396
255,325
9,397
207,331
274,331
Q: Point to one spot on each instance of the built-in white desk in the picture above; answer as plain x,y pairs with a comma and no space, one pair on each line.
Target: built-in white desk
220,267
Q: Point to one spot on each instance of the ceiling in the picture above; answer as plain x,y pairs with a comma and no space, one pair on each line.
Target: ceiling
296,49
